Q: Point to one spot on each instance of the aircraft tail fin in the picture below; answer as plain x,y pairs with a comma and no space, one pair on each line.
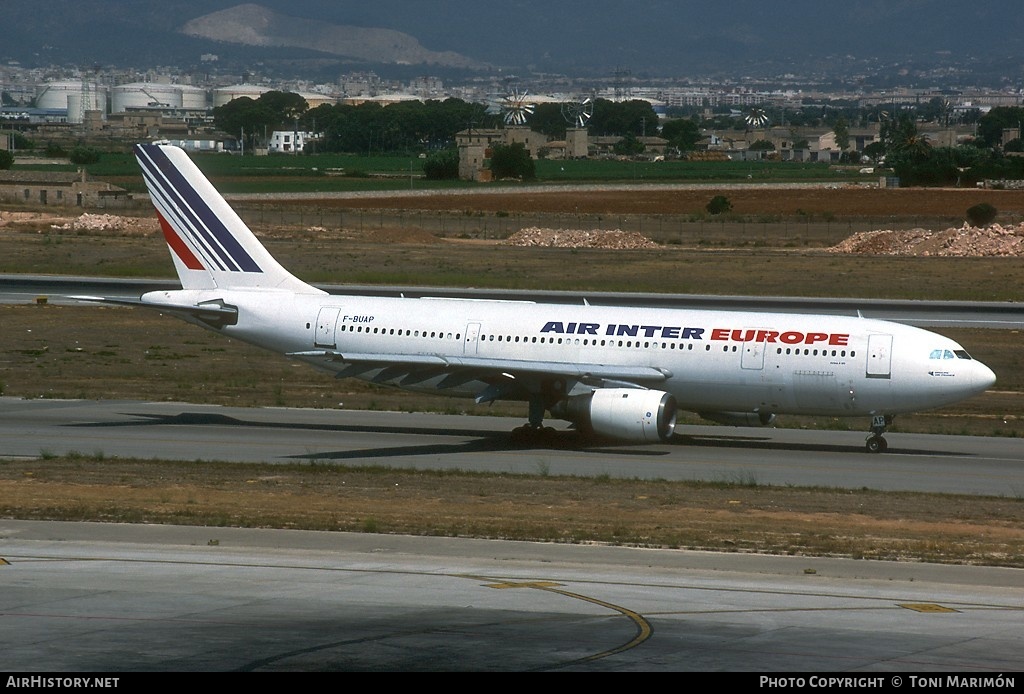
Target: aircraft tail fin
210,244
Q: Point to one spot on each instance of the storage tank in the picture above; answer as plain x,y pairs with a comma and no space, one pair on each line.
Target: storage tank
54,95
223,95
313,100
194,98
145,95
79,104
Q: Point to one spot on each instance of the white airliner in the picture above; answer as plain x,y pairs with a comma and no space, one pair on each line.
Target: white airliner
618,372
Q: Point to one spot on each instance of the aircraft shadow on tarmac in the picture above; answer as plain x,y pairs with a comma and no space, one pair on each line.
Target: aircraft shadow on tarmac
765,443
480,441
483,441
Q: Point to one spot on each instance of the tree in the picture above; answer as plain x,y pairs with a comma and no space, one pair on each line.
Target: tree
84,155
443,165
993,123
876,150
244,115
547,118
402,127
634,117
981,215
286,106
842,132
718,205
512,161
6,159
1014,145
901,135
682,133
947,165
628,146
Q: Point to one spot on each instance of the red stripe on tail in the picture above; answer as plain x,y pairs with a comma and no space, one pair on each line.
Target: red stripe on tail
178,246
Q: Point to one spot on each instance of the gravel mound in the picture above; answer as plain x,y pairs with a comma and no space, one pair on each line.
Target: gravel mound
964,241
574,238
109,222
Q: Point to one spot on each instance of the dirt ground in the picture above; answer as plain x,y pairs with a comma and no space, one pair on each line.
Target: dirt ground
841,201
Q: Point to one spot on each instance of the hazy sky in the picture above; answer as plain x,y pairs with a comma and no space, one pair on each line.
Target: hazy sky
674,36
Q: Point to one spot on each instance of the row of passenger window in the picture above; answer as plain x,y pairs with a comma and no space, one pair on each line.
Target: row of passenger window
814,352
436,334
585,342
655,345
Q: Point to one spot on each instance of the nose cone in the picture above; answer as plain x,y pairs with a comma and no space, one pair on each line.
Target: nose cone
984,377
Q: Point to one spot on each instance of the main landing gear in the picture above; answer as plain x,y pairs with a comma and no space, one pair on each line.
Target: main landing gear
875,442
534,431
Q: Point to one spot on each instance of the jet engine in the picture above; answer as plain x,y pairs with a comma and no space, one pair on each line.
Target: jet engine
628,414
740,419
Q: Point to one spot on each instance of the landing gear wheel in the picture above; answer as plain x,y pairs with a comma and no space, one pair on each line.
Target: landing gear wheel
528,435
525,434
876,444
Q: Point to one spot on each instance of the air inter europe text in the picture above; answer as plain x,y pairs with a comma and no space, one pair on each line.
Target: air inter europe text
666,332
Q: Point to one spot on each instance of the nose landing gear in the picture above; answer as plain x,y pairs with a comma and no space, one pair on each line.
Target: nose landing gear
876,443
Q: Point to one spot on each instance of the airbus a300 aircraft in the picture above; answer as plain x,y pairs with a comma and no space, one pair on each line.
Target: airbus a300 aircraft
618,372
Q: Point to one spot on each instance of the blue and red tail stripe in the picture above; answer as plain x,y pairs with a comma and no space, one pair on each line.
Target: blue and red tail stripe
184,213
178,246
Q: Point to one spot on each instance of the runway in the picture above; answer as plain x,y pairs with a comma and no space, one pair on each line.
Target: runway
21,289
94,598
766,456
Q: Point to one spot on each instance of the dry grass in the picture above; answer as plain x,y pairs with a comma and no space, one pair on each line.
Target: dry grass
733,518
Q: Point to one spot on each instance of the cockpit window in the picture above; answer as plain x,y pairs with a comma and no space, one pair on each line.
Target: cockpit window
948,354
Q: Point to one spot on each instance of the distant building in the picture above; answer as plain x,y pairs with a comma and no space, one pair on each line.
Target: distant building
475,145
288,141
194,145
58,188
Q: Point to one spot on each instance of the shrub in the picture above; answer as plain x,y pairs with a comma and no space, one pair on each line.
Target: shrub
982,214
84,155
718,205
6,159
442,165
512,161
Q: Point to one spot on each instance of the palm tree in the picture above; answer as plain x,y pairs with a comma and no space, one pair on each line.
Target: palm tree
902,137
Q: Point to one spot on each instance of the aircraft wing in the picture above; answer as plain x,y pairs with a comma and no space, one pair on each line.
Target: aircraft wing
459,370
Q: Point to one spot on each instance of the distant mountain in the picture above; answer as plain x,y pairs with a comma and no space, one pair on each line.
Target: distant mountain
574,37
255,25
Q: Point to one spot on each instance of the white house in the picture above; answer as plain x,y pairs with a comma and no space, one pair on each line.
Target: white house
288,141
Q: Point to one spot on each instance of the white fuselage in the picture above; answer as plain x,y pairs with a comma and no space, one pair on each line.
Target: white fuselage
712,361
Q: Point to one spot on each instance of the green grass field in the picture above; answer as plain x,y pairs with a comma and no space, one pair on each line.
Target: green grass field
341,172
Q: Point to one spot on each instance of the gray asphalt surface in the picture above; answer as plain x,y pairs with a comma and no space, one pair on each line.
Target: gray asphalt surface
183,431
93,598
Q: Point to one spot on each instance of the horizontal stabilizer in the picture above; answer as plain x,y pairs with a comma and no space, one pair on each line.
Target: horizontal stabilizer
213,313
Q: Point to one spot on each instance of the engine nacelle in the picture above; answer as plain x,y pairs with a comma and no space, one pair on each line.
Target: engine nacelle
628,414
740,419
